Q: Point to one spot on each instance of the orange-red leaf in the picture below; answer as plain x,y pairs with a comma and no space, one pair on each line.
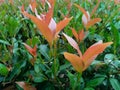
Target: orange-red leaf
75,34
33,5
49,15
52,2
92,22
95,8
25,86
73,43
92,52
42,26
81,35
32,51
75,61
62,24
82,10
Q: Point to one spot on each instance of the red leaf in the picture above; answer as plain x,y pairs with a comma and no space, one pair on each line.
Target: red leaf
32,51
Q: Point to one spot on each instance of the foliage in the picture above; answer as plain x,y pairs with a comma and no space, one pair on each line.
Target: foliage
36,36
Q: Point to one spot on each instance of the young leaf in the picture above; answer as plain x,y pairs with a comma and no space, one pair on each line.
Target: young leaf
92,22
82,10
92,52
73,43
32,51
62,24
75,60
75,34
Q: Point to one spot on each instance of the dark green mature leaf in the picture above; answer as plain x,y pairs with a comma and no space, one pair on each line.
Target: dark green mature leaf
115,84
44,51
96,81
17,69
39,78
89,88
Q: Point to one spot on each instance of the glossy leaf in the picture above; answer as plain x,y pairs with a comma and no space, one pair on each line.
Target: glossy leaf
115,83
96,81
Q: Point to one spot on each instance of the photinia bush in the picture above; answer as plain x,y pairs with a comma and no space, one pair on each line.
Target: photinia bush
36,38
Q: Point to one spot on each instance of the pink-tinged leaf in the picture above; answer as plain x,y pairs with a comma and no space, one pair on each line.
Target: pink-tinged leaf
75,61
52,26
42,26
95,8
62,24
92,22
81,35
32,51
25,86
92,52
82,10
85,20
75,34
33,5
73,43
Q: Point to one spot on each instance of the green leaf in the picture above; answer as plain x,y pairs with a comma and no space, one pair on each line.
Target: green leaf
39,78
35,40
3,70
96,81
108,58
115,84
4,42
116,36
44,51
89,88
17,69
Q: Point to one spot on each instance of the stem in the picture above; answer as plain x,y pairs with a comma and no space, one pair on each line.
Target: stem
77,83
